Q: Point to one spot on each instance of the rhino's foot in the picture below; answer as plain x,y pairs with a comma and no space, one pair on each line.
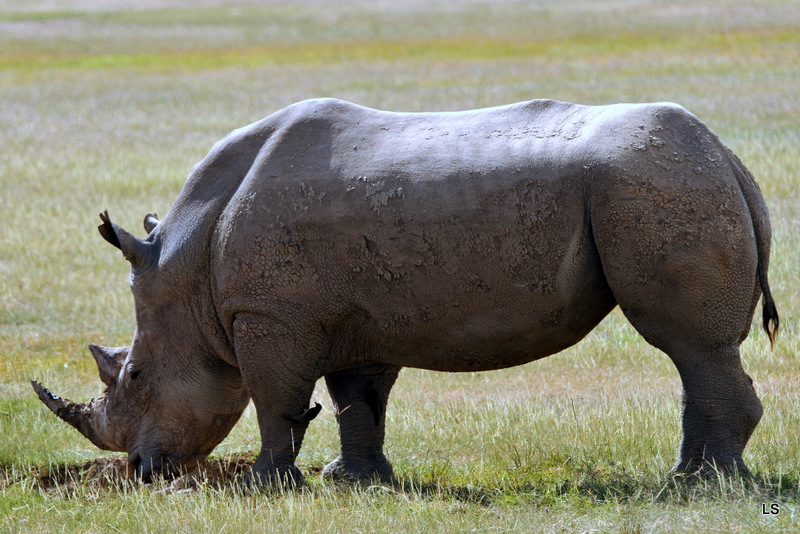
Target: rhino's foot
268,478
710,470
377,470
688,467
729,469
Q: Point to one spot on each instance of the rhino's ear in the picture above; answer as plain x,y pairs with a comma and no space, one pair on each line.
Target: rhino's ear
109,361
150,222
134,249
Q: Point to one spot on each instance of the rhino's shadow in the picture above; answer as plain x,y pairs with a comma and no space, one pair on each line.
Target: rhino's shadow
588,483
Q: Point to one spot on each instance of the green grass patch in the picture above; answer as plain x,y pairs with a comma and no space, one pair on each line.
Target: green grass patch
596,48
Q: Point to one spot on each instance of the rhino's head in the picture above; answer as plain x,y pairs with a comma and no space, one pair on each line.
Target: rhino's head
170,398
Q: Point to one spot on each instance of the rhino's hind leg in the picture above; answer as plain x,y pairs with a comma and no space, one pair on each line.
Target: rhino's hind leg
693,442
360,397
720,408
720,412
679,254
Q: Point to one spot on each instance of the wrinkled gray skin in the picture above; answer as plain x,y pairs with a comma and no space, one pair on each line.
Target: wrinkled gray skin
331,240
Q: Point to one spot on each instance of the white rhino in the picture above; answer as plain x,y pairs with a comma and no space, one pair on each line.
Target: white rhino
332,240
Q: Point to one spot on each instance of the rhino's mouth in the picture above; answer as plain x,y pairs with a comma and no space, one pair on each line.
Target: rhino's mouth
147,466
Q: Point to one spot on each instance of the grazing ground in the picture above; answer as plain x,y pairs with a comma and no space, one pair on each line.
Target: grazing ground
103,105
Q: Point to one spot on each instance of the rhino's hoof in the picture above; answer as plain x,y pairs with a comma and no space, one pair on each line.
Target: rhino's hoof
289,478
709,471
340,471
731,469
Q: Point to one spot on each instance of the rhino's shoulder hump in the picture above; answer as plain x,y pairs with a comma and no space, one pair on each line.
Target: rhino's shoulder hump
256,133
320,109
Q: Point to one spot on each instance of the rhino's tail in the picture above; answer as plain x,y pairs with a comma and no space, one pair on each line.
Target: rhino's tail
760,217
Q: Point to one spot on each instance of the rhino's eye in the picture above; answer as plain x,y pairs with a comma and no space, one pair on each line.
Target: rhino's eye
135,375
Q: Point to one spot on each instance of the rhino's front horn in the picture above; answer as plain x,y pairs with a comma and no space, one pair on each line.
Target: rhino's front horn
77,415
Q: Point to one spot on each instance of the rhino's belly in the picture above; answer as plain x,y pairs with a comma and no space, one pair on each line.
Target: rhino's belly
480,340
482,354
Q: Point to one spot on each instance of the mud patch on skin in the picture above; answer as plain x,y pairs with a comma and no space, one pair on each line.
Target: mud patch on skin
112,473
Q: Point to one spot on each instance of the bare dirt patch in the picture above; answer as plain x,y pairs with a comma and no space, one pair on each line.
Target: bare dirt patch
112,473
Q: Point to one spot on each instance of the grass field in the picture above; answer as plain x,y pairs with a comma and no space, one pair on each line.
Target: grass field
107,106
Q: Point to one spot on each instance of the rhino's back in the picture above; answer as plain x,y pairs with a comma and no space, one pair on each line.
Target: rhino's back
350,142
326,161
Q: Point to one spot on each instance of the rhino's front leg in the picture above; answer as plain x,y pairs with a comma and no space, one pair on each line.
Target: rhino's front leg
281,437
278,369
360,397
